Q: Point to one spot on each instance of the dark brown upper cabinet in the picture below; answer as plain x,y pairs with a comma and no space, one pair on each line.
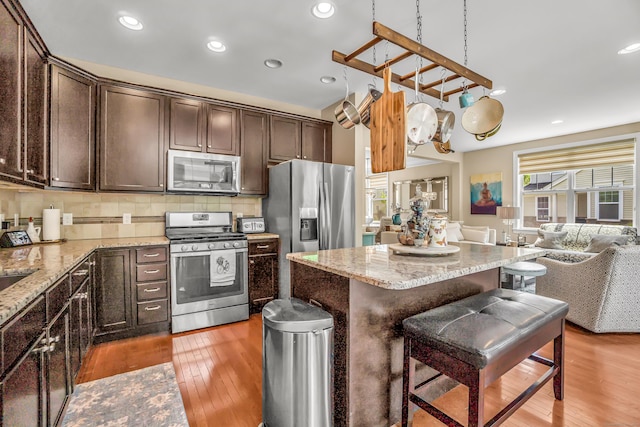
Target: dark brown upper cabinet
23,83
186,125
285,139
72,130
316,142
299,139
253,163
132,139
199,126
222,130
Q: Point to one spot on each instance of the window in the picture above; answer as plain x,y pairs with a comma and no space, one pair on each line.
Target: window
585,184
542,209
376,191
609,206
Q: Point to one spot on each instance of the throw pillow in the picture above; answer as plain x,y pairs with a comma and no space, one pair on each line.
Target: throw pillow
453,232
474,235
600,242
550,239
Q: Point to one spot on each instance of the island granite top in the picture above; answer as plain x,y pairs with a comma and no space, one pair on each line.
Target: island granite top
379,266
47,263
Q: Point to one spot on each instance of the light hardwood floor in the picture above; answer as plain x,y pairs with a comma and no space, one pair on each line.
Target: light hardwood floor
219,373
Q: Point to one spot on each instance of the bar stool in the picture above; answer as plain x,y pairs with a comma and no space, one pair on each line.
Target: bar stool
475,341
524,268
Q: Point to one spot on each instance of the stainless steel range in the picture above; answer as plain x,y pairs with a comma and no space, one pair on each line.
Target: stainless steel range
209,270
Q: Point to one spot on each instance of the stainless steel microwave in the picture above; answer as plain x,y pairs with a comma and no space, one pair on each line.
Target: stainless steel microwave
193,172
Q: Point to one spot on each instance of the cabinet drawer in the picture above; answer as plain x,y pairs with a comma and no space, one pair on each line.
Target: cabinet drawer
80,274
152,311
147,291
20,333
263,247
57,296
151,272
147,255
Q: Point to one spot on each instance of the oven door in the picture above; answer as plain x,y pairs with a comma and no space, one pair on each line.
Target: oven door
208,280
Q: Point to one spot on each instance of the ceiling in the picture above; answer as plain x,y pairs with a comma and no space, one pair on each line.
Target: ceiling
557,59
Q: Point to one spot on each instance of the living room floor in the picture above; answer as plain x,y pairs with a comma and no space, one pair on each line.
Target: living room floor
219,374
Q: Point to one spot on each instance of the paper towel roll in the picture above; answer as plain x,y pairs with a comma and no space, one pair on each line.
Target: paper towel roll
51,224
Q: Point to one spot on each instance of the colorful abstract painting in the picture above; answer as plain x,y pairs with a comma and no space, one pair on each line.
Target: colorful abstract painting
486,193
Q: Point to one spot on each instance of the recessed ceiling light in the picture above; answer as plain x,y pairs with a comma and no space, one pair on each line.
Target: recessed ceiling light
557,122
216,46
130,22
323,10
273,63
327,79
498,92
629,49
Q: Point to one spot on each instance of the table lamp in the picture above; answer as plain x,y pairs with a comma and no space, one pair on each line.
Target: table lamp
507,214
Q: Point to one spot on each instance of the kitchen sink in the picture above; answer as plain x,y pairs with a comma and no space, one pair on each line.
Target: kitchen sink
7,281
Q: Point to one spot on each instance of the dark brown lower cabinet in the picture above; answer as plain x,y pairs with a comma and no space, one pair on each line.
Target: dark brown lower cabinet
263,273
35,382
57,367
131,293
113,294
21,392
80,330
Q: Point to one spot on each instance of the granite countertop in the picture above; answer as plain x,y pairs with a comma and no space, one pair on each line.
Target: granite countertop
49,262
379,266
259,236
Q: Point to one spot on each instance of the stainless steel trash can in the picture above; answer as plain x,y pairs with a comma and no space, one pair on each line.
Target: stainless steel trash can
297,362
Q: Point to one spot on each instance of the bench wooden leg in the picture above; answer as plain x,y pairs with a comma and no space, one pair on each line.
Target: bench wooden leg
408,371
476,400
558,359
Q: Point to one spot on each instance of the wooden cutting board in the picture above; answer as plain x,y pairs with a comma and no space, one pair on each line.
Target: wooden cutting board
388,129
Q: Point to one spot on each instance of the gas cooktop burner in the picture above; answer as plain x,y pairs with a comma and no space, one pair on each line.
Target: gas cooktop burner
196,235
200,226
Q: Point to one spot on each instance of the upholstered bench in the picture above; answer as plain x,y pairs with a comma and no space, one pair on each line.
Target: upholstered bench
478,339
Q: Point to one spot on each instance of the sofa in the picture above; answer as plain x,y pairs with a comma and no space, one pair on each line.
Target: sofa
603,291
577,242
594,268
456,232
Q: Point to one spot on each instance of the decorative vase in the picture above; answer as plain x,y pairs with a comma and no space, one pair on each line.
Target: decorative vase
438,232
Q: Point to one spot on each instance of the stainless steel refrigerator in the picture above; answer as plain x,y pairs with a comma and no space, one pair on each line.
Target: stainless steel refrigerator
311,206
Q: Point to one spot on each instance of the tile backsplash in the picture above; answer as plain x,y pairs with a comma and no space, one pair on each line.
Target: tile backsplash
98,216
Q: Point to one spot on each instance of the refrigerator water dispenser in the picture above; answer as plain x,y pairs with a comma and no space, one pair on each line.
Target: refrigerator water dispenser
308,229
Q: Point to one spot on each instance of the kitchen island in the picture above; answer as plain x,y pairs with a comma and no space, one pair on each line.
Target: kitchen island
369,291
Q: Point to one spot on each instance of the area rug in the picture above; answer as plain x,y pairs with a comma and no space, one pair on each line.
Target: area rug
146,397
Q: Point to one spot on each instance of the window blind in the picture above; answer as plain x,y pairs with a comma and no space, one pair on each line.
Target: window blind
377,181
588,156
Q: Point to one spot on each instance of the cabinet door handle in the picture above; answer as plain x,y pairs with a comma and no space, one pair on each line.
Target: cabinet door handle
199,145
2,161
81,273
251,261
151,255
154,308
208,146
152,271
304,157
262,246
151,290
30,171
55,178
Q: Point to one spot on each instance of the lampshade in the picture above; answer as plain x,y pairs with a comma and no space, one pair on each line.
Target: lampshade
508,212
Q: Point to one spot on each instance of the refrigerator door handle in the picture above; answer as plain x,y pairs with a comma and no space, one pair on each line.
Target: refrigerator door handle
327,218
321,224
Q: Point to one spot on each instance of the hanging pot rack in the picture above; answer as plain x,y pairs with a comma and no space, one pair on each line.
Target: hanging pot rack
411,47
